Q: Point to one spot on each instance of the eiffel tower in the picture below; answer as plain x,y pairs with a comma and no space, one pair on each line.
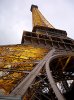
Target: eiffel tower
41,67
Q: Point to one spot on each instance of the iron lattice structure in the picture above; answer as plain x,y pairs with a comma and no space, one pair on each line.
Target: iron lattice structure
41,67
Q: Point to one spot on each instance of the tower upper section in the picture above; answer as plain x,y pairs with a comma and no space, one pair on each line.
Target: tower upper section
38,18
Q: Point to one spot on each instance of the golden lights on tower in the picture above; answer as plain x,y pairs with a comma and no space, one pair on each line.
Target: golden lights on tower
14,60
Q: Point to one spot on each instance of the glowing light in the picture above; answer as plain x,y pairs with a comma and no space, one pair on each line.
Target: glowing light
18,58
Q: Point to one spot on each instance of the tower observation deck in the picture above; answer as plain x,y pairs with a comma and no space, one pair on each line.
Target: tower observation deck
41,67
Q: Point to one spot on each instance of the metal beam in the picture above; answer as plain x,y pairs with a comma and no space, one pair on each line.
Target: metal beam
24,85
67,61
52,82
9,98
14,70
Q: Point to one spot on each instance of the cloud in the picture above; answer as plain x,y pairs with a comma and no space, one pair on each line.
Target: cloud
15,16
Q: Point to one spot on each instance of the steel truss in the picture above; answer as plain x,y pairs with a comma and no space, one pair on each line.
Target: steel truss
51,78
40,83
